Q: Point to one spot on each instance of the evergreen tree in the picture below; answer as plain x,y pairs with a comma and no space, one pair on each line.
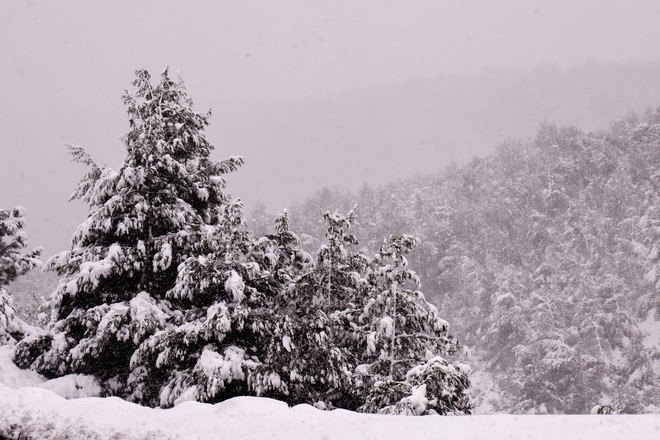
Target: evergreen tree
145,219
12,265
267,332
403,363
317,363
364,337
12,240
10,330
209,350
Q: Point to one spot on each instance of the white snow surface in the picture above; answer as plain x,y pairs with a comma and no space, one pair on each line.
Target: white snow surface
13,377
43,414
143,306
387,326
70,387
418,399
286,343
235,285
251,417
73,386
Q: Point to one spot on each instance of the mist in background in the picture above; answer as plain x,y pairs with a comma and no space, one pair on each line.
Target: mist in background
312,94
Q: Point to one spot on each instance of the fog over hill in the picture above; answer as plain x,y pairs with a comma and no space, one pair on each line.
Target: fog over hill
377,135
369,135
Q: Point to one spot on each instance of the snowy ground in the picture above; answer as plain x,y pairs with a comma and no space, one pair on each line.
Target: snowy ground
27,407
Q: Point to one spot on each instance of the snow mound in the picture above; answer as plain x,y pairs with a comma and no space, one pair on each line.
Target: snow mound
251,406
12,376
73,386
43,414
38,413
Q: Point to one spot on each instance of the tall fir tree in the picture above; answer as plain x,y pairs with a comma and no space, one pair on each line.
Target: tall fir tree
405,348
144,220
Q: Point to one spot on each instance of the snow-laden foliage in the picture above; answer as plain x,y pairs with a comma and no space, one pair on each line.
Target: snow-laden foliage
160,208
404,342
12,241
12,328
350,322
12,265
288,326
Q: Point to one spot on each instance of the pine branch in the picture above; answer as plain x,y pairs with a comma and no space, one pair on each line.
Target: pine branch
85,185
81,156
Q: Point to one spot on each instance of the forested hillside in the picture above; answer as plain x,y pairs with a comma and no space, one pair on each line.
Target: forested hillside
544,256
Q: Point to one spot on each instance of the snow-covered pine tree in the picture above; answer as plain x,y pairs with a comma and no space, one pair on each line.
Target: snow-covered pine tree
12,328
7,318
165,296
145,219
315,364
404,343
361,338
267,332
12,241
209,352
12,265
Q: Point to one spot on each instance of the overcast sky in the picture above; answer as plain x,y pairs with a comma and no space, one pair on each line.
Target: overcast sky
64,64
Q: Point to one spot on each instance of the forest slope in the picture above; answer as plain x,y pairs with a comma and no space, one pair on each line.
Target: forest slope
544,256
